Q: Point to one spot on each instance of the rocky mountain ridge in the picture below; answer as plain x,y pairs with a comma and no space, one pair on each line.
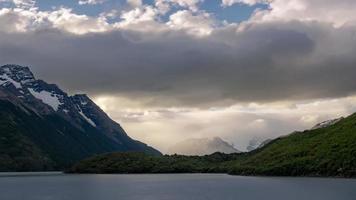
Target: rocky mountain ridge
43,114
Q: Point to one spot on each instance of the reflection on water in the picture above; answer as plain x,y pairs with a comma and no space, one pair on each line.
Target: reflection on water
11,174
57,186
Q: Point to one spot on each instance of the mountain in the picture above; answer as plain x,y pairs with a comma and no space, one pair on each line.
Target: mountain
326,123
202,146
256,143
323,151
327,150
43,128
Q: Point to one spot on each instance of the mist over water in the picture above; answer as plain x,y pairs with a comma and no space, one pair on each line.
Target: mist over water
172,187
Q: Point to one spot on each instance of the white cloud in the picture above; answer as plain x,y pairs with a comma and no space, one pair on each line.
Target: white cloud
22,20
18,19
65,19
24,3
142,19
196,24
90,2
191,4
135,3
329,11
138,15
165,5
248,2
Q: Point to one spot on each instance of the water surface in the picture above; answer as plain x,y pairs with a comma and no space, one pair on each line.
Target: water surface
171,187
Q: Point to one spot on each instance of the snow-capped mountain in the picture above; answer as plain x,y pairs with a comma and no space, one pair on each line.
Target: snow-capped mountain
19,82
77,118
43,97
202,146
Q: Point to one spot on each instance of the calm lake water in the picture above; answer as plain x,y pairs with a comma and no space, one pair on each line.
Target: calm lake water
171,187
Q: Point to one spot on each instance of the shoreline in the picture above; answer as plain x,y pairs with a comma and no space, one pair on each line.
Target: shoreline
21,174
58,173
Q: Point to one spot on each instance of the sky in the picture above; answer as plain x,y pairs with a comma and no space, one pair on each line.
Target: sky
168,70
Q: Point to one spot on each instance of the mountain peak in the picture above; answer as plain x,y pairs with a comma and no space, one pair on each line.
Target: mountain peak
202,146
14,66
17,73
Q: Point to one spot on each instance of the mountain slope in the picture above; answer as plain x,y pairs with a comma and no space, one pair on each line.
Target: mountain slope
18,152
328,151
57,128
202,146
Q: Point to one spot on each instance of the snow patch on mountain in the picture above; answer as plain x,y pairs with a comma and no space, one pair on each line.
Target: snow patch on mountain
87,119
47,98
4,78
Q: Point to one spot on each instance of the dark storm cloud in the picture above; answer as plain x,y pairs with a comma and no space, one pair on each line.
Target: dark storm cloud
263,62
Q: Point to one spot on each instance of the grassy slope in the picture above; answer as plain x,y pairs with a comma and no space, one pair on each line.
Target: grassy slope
329,151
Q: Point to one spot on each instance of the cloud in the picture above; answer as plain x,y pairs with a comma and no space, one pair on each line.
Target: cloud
162,6
23,20
260,62
90,2
196,24
248,2
65,19
336,12
24,3
165,5
135,3
191,4
162,127
138,15
330,11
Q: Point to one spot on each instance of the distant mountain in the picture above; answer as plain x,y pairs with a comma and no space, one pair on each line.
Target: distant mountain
202,146
256,143
42,127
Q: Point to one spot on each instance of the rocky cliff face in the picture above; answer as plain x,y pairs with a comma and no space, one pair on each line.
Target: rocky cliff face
41,110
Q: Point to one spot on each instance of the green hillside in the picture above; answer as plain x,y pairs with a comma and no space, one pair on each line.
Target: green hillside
329,151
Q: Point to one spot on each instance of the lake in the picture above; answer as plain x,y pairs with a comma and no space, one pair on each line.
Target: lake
57,186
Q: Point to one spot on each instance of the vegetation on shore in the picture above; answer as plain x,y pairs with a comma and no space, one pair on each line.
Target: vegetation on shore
328,151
